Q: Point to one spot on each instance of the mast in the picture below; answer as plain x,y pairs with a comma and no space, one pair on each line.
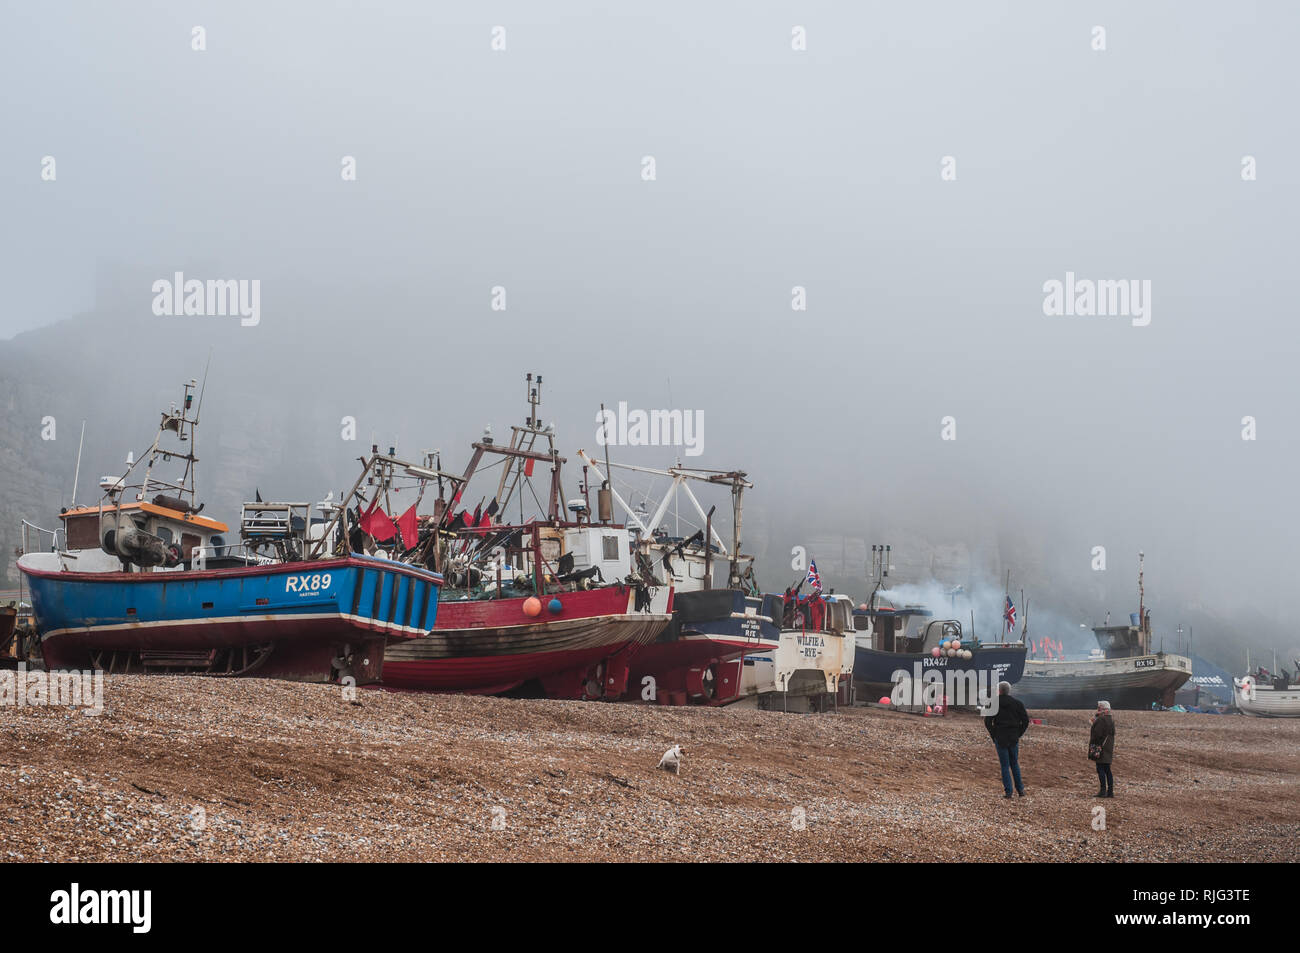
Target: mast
879,569
1142,615
737,488
1144,633
183,426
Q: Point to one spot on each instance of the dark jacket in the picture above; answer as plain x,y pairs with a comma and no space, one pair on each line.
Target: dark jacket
1103,733
1010,722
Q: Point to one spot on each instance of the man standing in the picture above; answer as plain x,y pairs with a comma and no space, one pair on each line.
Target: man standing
1005,728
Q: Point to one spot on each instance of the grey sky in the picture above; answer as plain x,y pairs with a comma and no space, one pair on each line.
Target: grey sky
775,168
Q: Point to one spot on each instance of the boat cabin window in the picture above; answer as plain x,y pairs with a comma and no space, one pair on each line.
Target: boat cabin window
165,534
838,616
609,547
83,531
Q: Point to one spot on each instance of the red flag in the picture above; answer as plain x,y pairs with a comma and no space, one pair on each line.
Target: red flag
376,523
528,467
408,525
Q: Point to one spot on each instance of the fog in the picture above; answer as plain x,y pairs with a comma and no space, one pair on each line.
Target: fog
522,169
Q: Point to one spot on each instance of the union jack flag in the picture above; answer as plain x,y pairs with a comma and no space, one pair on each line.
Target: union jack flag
814,579
1009,614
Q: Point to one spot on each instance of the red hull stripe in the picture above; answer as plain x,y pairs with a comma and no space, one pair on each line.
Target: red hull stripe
361,562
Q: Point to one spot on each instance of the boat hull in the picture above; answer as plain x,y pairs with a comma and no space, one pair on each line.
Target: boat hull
302,618
1127,683
697,659
803,670
1266,702
873,669
491,646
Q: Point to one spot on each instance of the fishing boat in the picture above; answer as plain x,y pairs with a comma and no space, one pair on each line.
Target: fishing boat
810,664
1134,681
1123,670
907,639
732,643
1266,695
142,582
698,658
551,605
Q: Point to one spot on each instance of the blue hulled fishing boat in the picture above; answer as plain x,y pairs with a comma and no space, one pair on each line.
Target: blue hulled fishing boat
142,582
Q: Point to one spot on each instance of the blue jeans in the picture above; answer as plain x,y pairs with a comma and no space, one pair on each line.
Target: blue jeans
1009,758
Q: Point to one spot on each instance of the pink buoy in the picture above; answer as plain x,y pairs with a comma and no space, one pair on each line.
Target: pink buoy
884,699
936,651
532,607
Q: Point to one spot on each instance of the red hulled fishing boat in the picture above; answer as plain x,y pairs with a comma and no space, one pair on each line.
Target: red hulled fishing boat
552,605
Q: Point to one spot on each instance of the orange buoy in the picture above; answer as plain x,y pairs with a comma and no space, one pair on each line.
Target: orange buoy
532,607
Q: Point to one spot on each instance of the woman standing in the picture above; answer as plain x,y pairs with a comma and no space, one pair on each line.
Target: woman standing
1101,748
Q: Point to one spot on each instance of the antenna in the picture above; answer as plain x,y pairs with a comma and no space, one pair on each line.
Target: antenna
1024,619
1144,626
77,473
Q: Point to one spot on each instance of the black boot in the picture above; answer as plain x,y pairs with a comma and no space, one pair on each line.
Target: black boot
1101,793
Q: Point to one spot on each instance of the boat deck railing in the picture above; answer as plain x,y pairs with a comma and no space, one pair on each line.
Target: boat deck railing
33,538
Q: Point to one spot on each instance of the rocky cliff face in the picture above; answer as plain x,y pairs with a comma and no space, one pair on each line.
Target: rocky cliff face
35,474
117,372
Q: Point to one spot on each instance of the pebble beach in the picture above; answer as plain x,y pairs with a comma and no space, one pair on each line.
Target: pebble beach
206,769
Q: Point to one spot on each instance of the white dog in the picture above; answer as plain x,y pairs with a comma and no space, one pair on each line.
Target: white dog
672,760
